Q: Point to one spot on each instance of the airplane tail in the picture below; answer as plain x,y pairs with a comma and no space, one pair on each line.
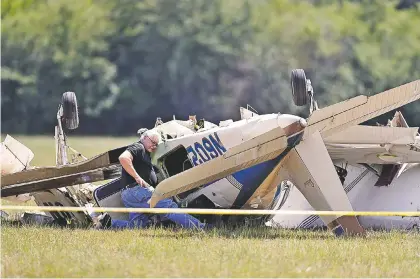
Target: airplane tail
15,156
312,172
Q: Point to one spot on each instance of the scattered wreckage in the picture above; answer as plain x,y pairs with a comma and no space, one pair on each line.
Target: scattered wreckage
272,161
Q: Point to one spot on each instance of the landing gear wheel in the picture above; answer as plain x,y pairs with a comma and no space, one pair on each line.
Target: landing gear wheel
70,117
299,89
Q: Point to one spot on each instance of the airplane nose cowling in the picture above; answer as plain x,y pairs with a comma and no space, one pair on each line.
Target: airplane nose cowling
291,124
303,122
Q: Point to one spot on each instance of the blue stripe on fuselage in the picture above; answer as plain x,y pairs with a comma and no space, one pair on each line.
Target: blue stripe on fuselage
251,178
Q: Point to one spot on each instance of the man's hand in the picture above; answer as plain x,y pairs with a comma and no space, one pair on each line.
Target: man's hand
141,182
126,160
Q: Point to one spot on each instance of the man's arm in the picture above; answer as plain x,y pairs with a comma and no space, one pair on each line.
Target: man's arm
126,160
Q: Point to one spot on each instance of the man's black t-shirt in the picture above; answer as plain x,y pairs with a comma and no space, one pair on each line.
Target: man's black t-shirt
142,164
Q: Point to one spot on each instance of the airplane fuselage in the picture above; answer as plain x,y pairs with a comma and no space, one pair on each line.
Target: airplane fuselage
234,190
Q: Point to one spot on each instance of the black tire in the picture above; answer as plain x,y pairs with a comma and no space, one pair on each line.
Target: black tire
70,118
298,83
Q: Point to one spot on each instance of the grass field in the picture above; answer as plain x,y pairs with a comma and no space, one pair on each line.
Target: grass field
246,252
43,252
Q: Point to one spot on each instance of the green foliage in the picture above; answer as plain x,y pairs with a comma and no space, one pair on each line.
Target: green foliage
44,56
346,47
131,61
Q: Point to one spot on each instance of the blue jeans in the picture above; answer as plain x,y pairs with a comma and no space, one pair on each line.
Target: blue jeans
137,197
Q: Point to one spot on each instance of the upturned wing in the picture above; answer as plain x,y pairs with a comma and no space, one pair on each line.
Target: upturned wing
340,116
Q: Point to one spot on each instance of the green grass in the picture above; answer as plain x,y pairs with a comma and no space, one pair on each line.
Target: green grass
246,252
48,252
43,147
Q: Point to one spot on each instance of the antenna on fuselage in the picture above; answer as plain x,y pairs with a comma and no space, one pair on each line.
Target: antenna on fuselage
249,106
158,121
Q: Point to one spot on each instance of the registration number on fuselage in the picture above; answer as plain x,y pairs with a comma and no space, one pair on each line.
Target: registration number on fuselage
208,148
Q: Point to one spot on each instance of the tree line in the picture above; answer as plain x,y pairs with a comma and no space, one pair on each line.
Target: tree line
131,61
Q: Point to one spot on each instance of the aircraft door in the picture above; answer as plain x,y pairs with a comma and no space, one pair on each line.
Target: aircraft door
176,162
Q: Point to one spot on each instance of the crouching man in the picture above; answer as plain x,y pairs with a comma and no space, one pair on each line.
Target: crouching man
139,176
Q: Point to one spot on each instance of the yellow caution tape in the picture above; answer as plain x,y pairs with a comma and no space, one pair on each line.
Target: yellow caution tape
210,211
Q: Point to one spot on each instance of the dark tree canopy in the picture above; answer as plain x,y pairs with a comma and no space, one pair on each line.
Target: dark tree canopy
132,61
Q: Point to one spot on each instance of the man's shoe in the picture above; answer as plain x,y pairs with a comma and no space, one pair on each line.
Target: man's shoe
104,222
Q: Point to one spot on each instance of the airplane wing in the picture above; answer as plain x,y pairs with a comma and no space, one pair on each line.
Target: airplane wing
328,121
357,144
374,135
374,154
251,152
101,167
340,116
374,145
55,182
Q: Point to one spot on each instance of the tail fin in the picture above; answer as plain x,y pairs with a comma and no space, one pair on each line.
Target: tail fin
14,156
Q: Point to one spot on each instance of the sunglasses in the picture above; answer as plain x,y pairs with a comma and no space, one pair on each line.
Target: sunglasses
152,141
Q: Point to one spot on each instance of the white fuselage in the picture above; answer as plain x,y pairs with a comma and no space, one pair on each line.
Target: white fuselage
229,192
401,195
230,134
207,144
